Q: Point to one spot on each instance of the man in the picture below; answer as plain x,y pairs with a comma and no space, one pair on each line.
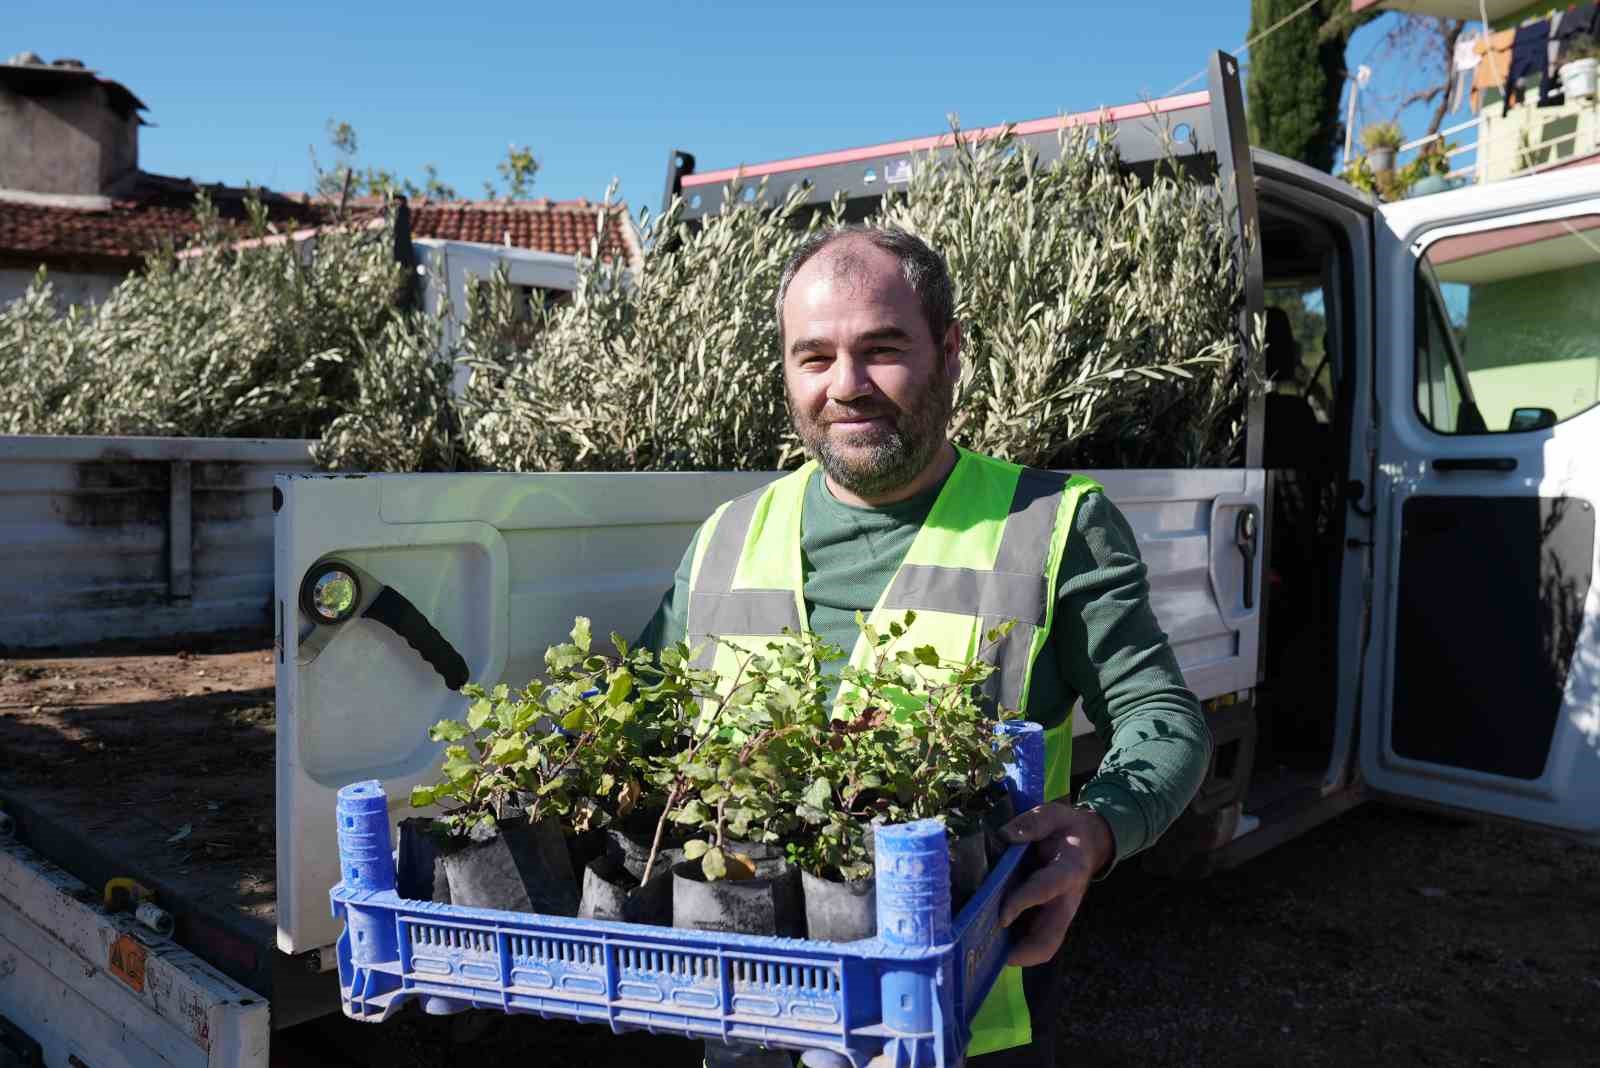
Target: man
889,515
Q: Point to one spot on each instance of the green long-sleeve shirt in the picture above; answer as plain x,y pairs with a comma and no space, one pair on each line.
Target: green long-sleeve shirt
1106,646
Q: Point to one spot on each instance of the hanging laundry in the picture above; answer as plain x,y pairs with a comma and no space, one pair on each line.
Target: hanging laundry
1494,52
1551,91
1583,20
1529,56
1462,66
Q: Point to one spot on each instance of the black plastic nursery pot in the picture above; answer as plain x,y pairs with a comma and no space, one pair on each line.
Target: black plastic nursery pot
839,911
629,841
1000,813
611,892
523,868
768,904
419,870
969,864
584,847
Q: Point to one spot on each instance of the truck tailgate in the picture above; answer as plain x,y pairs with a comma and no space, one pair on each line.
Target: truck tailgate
81,986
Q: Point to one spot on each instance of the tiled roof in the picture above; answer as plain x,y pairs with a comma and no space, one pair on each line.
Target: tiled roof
566,226
132,221
135,220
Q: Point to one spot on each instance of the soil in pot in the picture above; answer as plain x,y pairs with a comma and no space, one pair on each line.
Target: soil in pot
839,911
768,904
420,872
523,868
611,892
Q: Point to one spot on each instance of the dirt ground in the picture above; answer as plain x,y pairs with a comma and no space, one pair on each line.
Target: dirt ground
1385,937
169,748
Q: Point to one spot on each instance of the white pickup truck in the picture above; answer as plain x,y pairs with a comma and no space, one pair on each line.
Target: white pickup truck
1392,596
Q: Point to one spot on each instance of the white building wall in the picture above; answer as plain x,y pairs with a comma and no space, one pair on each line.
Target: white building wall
71,287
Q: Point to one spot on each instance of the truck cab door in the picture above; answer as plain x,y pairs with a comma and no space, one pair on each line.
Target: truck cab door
1485,693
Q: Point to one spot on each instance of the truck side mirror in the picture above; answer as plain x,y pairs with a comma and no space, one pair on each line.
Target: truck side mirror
1531,419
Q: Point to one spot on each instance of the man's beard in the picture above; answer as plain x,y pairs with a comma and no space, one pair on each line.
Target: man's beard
880,459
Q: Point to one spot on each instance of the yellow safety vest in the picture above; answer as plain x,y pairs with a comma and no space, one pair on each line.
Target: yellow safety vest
989,551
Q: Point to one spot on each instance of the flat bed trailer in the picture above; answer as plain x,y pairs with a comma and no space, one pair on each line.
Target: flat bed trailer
154,761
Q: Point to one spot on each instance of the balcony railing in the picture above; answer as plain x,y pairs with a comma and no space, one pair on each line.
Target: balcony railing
1491,147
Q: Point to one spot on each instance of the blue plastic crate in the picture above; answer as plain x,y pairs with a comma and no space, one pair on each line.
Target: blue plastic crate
908,994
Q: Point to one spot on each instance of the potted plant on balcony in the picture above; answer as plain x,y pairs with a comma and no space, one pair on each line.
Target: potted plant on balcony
1382,141
1579,68
1428,173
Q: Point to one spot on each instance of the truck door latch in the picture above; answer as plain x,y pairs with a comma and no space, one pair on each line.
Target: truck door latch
1244,538
336,591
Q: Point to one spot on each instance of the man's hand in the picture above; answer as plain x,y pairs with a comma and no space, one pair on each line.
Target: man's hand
1073,844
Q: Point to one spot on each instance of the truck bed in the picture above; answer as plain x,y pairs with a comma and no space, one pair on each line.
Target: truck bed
153,761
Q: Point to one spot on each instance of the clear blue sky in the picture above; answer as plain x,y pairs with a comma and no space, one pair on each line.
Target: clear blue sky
238,92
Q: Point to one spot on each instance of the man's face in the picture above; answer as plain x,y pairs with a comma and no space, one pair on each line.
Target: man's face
869,390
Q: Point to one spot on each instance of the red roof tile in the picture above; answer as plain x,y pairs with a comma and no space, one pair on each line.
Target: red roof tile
134,221
157,208
566,227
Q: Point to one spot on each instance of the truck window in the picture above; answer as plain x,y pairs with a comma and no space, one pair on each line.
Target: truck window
1508,327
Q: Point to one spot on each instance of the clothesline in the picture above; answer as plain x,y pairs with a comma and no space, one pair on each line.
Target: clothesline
1245,47
1509,60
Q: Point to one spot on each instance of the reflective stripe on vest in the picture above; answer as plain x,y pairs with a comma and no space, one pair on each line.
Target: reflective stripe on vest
989,552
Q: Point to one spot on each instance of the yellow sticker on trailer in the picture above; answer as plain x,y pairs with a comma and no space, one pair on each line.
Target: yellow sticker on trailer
127,962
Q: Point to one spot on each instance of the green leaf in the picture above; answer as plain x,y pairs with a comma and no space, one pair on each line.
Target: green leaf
819,793
478,714
447,730
574,720
998,632
561,658
508,751
695,848
580,633
927,654
423,796
693,812
714,864
621,684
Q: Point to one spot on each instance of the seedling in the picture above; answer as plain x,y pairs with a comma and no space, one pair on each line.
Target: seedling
568,745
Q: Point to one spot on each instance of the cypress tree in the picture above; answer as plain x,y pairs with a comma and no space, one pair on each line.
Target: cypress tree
1296,77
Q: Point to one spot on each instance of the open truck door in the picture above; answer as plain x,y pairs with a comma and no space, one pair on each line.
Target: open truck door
1485,695
392,589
